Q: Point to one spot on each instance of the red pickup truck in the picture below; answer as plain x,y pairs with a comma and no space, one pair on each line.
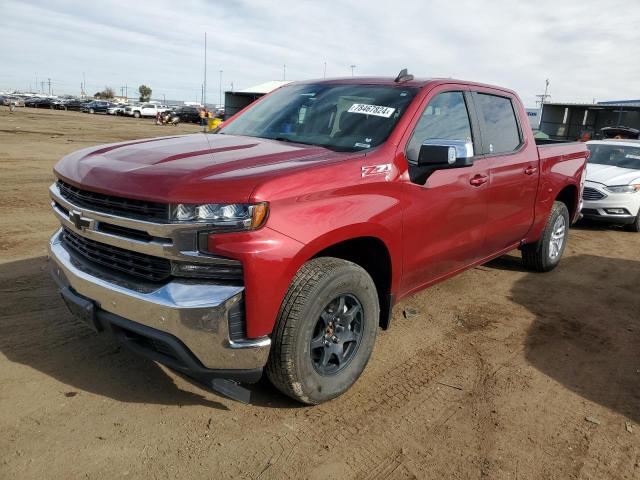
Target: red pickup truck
282,241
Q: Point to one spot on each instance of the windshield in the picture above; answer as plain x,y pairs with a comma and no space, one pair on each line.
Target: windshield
339,117
622,156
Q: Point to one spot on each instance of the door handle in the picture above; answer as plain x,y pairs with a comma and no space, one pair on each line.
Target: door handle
479,180
530,170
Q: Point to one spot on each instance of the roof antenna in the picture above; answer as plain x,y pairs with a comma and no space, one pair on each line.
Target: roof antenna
403,76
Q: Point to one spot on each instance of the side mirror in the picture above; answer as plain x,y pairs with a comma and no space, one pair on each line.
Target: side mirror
440,154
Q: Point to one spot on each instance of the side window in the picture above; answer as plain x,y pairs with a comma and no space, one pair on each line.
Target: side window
445,117
500,132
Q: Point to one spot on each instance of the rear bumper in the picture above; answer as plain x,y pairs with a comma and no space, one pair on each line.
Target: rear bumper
189,317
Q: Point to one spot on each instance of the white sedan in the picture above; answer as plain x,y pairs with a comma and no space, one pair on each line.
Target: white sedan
612,187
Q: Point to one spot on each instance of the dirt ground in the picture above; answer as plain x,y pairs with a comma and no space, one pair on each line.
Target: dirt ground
497,373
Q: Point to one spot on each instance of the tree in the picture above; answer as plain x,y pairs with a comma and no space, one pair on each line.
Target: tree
107,94
145,93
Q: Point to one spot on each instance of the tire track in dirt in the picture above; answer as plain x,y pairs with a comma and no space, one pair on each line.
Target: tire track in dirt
388,393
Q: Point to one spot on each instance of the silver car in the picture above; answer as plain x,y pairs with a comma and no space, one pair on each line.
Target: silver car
612,187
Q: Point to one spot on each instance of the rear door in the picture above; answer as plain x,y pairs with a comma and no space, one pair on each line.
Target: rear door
148,110
514,167
445,217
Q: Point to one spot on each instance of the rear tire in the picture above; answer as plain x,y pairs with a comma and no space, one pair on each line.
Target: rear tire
545,254
92,111
136,114
635,226
325,331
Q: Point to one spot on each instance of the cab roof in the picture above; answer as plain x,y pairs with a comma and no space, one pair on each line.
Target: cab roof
391,81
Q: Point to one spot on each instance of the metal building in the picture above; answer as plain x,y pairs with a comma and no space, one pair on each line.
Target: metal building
571,121
234,101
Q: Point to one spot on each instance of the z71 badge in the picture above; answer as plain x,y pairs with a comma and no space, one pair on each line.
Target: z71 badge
381,169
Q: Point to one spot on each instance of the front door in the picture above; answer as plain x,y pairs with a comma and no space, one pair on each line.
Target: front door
444,221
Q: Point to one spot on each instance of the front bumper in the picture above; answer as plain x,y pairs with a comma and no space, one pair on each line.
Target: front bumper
603,209
191,316
601,215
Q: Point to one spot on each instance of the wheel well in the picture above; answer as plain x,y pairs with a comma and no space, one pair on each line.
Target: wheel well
568,196
372,255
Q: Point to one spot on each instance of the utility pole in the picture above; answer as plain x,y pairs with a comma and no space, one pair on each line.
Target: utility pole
49,85
220,99
122,91
164,98
84,86
543,98
352,68
41,86
126,91
204,85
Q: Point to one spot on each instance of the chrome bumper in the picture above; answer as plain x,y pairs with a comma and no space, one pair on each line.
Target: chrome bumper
195,312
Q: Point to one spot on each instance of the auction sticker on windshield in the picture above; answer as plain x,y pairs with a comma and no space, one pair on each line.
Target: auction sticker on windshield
376,110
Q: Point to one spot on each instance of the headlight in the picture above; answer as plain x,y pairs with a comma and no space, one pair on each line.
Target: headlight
222,216
624,188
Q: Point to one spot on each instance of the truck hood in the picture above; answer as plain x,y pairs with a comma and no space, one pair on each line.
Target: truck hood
610,175
197,168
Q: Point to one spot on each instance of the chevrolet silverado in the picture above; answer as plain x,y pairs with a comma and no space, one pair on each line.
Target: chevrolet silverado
282,241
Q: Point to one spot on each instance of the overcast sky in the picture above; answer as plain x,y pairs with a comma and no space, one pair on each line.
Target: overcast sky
588,49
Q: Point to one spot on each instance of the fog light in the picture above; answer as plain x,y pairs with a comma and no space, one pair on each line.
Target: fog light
229,270
615,211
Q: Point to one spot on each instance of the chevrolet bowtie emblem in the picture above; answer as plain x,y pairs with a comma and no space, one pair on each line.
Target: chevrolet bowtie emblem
78,220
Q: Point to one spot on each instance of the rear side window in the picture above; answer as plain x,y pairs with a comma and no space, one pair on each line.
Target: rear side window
500,132
445,118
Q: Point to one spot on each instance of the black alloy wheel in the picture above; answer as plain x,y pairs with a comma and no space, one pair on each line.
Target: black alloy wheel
337,335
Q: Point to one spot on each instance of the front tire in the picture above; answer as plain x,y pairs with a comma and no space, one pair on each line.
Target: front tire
136,114
325,331
92,111
545,254
635,226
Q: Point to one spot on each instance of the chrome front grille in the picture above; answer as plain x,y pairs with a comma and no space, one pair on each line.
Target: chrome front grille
114,205
148,267
592,194
153,250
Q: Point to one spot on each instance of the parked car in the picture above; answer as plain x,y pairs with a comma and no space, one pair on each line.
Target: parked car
59,103
96,106
73,104
187,114
10,99
612,188
283,242
117,109
146,110
620,132
39,102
